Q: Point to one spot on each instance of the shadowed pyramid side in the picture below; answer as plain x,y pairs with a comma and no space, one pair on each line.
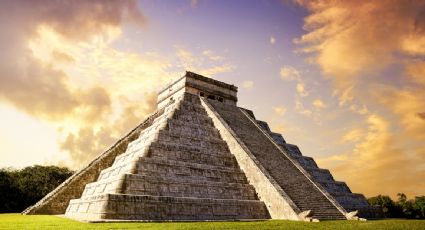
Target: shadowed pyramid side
337,189
297,188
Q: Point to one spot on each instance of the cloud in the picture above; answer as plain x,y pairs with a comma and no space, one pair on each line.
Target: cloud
289,73
212,56
62,57
301,89
354,135
299,107
89,141
355,39
377,164
39,88
279,110
416,72
212,65
373,52
319,104
362,110
406,105
211,71
272,40
248,84
57,64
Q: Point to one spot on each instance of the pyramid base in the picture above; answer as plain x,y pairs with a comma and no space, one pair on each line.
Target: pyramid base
118,207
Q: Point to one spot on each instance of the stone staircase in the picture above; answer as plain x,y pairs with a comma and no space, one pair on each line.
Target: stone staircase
303,192
338,189
178,169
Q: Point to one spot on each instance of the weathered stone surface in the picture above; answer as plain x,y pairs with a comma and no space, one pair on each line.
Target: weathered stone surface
57,201
286,172
339,190
200,157
178,169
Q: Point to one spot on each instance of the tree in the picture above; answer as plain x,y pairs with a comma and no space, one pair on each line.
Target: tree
9,192
388,206
403,208
22,188
419,207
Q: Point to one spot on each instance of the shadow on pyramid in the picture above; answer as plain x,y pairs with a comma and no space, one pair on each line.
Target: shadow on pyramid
200,157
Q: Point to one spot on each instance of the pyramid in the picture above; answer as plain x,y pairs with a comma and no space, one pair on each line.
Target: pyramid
200,157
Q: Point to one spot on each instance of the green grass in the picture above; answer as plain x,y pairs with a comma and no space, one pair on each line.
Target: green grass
17,221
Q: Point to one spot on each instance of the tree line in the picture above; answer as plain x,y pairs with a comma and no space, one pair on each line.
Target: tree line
22,188
402,207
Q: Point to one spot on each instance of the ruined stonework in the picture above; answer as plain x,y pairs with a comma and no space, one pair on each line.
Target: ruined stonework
200,157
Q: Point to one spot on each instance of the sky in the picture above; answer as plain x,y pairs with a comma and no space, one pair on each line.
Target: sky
343,80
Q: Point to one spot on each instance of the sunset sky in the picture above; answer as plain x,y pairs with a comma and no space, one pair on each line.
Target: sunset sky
345,81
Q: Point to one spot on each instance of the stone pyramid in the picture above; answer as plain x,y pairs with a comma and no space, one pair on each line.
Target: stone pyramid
200,157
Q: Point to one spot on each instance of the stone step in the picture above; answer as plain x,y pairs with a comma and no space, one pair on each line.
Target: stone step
166,168
284,171
189,126
185,107
143,207
335,187
217,159
293,149
201,139
320,174
305,161
201,143
192,118
117,169
351,200
110,185
186,148
171,186
192,131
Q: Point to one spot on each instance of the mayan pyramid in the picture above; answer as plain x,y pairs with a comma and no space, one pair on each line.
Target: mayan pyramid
200,157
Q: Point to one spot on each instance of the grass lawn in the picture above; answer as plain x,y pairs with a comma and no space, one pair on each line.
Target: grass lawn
17,221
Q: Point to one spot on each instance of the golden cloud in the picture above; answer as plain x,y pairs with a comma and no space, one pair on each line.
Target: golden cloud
356,44
358,38
46,49
319,104
212,65
36,87
289,73
248,84
89,141
59,65
279,110
416,72
377,164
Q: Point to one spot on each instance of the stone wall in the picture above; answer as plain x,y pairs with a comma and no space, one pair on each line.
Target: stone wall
57,201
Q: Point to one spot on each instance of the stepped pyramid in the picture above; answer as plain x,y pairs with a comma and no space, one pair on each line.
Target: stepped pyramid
200,157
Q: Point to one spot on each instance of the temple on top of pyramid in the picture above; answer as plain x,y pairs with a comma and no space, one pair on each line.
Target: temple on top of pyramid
201,157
